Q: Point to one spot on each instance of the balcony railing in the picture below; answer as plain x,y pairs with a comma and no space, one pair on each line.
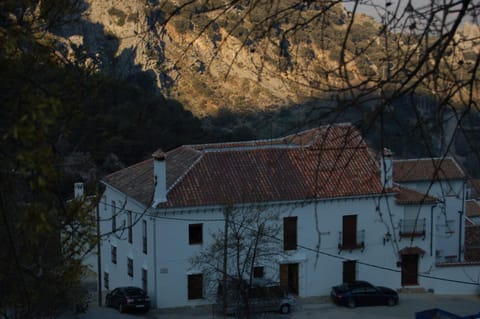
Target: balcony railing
412,228
450,226
355,241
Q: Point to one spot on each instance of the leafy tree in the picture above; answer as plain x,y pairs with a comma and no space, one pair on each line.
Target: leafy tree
45,237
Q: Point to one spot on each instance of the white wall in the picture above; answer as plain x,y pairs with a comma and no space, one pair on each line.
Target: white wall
118,272
320,261
462,279
452,193
317,272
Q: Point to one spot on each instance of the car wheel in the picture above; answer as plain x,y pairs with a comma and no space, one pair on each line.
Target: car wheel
351,303
284,309
391,302
121,308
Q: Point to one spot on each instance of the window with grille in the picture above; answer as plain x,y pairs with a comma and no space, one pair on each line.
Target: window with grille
144,236
114,216
130,230
129,266
144,280
114,254
106,280
195,286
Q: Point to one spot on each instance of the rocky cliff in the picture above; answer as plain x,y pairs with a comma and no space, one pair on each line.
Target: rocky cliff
210,55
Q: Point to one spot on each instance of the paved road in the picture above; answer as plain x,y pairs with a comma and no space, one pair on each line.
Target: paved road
315,308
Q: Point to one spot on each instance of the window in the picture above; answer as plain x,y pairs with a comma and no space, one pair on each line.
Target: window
130,266
114,217
105,205
349,238
195,234
130,230
106,280
144,280
195,286
114,254
144,235
257,272
290,233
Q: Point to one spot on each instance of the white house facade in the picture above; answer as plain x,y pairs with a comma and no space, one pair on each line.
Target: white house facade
444,179
342,214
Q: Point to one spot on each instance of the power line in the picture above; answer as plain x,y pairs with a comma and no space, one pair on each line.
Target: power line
314,250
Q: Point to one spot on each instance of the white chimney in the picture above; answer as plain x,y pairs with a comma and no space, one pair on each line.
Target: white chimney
387,168
159,178
78,190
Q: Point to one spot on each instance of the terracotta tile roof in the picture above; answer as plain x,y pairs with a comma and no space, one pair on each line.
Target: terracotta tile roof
427,169
474,188
472,208
327,162
407,196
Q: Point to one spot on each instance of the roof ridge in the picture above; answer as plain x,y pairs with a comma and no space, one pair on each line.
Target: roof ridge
285,141
181,177
233,144
128,167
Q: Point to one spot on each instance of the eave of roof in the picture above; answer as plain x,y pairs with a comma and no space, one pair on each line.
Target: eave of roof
407,196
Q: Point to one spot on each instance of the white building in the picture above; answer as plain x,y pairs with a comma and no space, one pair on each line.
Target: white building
344,216
444,179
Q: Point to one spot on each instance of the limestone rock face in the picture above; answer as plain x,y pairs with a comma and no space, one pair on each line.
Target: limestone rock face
210,58
206,60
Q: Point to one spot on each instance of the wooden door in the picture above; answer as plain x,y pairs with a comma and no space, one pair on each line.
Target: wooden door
289,277
409,270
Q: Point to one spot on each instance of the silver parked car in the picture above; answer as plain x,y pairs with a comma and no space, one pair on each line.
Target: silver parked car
261,296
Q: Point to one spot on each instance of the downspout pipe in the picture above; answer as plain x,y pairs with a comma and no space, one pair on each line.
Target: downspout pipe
431,228
460,222
155,262
460,212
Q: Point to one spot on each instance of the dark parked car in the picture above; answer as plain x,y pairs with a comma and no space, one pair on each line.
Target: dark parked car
362,293
263,296
128,298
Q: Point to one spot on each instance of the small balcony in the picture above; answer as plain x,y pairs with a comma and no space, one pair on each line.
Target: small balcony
351,241
410,228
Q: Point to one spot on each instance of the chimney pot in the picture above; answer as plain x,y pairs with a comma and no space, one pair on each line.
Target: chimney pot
387,168
159,177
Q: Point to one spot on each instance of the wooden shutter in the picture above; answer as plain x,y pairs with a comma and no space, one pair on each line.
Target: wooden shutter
290,233
349,234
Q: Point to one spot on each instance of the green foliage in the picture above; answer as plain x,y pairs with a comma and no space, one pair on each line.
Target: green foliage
44,238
